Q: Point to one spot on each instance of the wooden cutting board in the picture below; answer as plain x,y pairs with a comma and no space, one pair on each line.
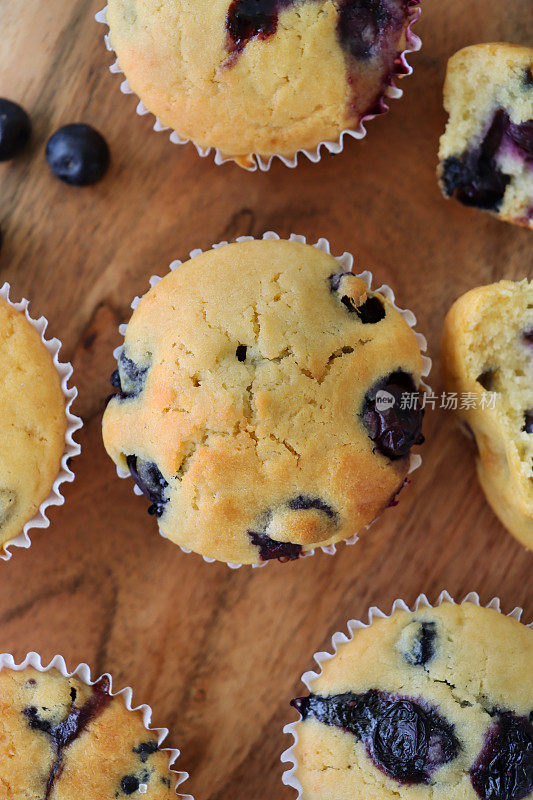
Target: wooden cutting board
218,653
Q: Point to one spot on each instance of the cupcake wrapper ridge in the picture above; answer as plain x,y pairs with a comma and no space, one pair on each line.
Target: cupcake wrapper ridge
263,163
346,261
74,423
83,673
340,638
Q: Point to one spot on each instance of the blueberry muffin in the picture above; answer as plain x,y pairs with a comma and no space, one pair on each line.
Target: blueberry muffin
32,422
259,402
486,154
261,76
487,346
63,740
432,704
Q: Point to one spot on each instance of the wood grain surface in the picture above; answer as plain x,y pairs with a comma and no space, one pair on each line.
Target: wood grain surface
218,653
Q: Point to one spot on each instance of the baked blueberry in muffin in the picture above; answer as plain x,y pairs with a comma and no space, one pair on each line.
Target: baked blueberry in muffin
486,154
269,416
421,705
62,739
269,77
487,355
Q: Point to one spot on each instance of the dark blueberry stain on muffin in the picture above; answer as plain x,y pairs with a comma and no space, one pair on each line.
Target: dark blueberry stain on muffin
304,503
475,178
528,77
241,352
129,378
63,734
129,784
527,336
369,312
528,421
248,19
504,769
270,549
362,24
422,643
146,749
150,481
405,740
392,415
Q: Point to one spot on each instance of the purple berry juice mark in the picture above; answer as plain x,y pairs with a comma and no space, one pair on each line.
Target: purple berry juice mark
69,729
366,29
406,740
363,24
475,179
528,421
504,769
393,423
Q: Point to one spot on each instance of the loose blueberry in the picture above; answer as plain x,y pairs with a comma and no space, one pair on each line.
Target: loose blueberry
270,549
528,421
304,503
504,769
78,155
420,638
392,415
145,749
15,129
363,23
129,784
406,741
151,483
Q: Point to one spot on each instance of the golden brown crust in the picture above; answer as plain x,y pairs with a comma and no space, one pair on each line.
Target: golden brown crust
283,93
239,441
484,331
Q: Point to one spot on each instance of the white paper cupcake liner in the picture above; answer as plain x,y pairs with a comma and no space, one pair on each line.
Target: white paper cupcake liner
391,92
83,673
346,261
74,423
340,638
